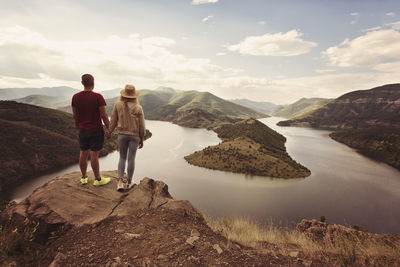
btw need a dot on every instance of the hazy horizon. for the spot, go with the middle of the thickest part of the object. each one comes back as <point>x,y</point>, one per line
<point>273,51</point>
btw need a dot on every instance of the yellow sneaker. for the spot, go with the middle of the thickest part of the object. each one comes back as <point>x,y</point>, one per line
<point>102,181</point>
<point>84,180</point>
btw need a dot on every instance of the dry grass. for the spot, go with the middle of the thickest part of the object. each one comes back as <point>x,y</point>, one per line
<point>344,250</point>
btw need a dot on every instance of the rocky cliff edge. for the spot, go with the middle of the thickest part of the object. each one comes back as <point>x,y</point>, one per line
<point>77,225</point>
<point>66,224</point>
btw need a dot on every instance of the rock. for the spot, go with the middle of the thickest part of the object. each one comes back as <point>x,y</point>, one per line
<point>117,260</point>
<point>131,236</point>
<point>217,248</point>
<point>318,231</point>
<point>194,235</point>
<point>194,232</point>
<point>191,240</point>
<point>57,259</point>
<point>65,202</point>
<point>162,257</point>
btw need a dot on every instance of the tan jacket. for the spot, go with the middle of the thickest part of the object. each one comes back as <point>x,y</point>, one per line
<point>128,118</point>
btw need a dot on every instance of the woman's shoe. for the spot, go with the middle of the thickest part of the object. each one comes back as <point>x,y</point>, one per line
<point>125,182</point>
<point>120,185</point>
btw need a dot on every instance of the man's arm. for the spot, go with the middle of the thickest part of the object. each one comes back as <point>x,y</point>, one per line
<point>104,116</point>
<point>75,115</point>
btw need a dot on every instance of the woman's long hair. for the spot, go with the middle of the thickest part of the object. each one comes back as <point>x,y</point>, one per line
<point>125,100</point>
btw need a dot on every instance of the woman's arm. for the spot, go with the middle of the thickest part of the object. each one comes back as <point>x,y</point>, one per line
<point>114,121</point>
<point>142,128</point>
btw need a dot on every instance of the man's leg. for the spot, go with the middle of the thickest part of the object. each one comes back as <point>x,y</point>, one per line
<point>94,162</point>
<point>83,162</point>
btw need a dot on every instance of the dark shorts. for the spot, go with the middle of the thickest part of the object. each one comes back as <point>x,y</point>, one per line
<point>92,140</point>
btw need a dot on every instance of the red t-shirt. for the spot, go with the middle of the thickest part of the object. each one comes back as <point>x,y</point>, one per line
<point>87,105</point>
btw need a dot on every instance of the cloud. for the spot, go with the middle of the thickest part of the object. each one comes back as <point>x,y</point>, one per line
<point>149,62</point>
<point>391,67</point>
<point>394,25</point>
<point>390,14</point>
<point>199,2</point>
<point>221,54</point>
<point>324,70</point>
<point>278,44</point>
<point>113,60</point>
<point>207,18</point>
<point>367,50</point>
<point>356,17</point>
<point>262,22</point>
<point>372,29</point>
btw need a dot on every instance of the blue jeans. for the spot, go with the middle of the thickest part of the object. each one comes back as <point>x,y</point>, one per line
<point>128,145</point>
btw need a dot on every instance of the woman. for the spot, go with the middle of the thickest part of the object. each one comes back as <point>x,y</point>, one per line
<point>128,117</point>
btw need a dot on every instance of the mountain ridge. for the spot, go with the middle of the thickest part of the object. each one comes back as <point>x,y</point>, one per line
<point>379,106</point>
<point>263,107</point>
<point>301,107</point>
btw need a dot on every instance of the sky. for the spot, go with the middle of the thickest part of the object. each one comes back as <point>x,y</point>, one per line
<point>263,50</point>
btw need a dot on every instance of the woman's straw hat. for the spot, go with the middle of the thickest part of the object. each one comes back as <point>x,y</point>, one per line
<point>129,91</point>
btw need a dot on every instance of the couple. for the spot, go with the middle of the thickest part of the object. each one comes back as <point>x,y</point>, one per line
<point>89,110</point>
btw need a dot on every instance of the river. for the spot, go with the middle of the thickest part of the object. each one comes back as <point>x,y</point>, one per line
<point>344,186</point>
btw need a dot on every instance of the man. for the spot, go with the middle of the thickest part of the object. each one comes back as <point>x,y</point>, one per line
<point>89,109</point>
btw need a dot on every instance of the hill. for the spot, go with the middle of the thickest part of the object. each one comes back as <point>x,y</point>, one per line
<point>263,107</point>
<point>249,147</point>
<point>110,93</point>
<point>377,107</point>
<point>45,101</point>
<point>14,93</point>
<point>382,144</point>
<point>301,107</point>
<point>201,109</point>
<point>189,108</point>
<point>36,140</point>
<point>146,226</point>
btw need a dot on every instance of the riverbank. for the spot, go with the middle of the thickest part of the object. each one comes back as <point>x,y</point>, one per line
<point>249,147</point>
<point>382,144</point>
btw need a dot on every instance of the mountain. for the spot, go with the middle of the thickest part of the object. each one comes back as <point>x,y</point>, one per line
<point>110,93</point>
<point>263,107</point>
<point>36,140</point>
<point>189,108</point>
<point>376,107</point>
<point>201,109</point>
<point>116,92</point>
<point>14,93</point>
<point>45,101</point>
<point>167,90</point>
<point>249,147</point>
<point>301,107</point>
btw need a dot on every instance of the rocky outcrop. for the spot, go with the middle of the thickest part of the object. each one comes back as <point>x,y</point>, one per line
<point>64,201</point>
<point>75,225</point>
<point>334,233</point>
<point>66,224</point>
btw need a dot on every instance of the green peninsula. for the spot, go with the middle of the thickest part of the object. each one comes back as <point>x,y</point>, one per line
<point>249,147</point>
